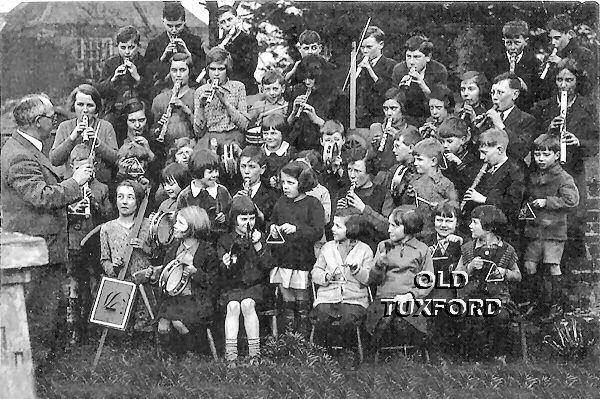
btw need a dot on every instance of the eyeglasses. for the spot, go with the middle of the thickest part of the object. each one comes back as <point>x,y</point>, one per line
<point>52,116</point>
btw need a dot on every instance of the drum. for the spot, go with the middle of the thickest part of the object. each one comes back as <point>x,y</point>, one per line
<point>161,228</point>
<point>172,281</point>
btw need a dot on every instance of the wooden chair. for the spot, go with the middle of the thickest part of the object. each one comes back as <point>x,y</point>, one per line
<point>403,347</point>
<point>359,343</point>
<point>272,314</point>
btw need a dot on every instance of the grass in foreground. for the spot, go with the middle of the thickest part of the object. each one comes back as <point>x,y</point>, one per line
<point>292,368</point>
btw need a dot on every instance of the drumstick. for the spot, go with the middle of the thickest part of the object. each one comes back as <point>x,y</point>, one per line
<point>146,301</point>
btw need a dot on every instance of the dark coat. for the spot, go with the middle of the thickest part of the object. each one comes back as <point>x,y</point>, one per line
<point>113,93</point>
<point>527,69</point>
<point>417,107</point>
<point>34,199</point>
<point>503,189</point>
<point>521,128</point>
<point>370,95</point>
<point>156,70</point>
<point>244,54</point>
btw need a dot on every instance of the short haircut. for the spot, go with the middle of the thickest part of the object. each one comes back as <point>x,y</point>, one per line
<point>480,80</point>
<point>513,80</point>
<point>309,37</point>
<point>182,57</point>
<point>202,159</point>
<point>133,105</point>
<point>197,220</point>
<point>493,137</point>
<point>561,23</point>
<point>430,148</point>
<point>273,76</point>
<point>331,127</point>
<point>453,127</point>
<point>225,9</point>
<point>180,143</point>
<point>356,226</point>
<point>276,122</point>
<point>255,153</point>
<point>80,152</point>
<point>514,29</point>
<point>178,172</point>
<point>303,173</point>
<point>221,56</point>
<point>546,142</point>
<point>86,89</point>
<point>128,33</point>
<point>30,108</point>
<point>173,11</point>
<point>410,135</point>
<point>580,74</point>
<point>408,217</point>
<point>442,93</point>
<point>375,33</point>
<point>138,190</point>
<point>419,43</point>
<point>492,219</point>
<point>447,209</point>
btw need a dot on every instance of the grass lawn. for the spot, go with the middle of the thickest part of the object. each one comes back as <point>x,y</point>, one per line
<point>292,368</point>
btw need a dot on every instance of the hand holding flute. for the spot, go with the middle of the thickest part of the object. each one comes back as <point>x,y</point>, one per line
<point>552,58</point>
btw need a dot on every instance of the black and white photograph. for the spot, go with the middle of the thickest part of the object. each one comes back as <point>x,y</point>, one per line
<point>299,199</point>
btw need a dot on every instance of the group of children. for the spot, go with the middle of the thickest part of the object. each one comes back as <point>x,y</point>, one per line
<point>282,198</point>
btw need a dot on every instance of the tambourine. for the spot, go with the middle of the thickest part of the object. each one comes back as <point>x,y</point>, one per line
<point>172,281</point>
<point>161,227</point>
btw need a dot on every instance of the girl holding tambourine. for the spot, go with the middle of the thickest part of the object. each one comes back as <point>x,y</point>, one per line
<point>191,256</point>
<point>245,259</point>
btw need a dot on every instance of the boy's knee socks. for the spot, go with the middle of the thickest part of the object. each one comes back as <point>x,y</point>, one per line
<point>253,347</point>
<point>231,349</point>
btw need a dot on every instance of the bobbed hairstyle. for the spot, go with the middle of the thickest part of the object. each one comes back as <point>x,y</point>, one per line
<point>201,160</point>
<point>408,217</point>
<point>138,190</point>
<point>241,205</point>
<point>275,122</point>
<point>442,93</point>
<point>480,80</point>
<point>131,106</point>
<point>546,142</point>
<point>303,173</point>
<point>581,75</point>
<point>309,37</point>
<point>397,95</point>
<point>221,56</point>
<point>197,220</point>
<point>88,90</point>
<point>492,219</point>
<point>178,144</point>
<point>446,209</point>
<point>178,172</point>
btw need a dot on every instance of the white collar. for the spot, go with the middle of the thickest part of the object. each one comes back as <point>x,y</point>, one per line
<point>254,188</point>
<point>375,60</point>
<point>517,58</point>
<point>281,151</point>
<point>196,190</point>
<point>36,143</point>
<point>497,166</point>
<point>507,112</point>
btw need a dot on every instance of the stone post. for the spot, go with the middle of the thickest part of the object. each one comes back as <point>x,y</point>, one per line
<point>18,254</point>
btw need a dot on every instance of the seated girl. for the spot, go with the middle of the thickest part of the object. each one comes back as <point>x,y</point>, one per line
<point>341,274</point>
<point>491,264</point>
<point>195,305</point>
<point>245,259</point>
<point>397,262</point>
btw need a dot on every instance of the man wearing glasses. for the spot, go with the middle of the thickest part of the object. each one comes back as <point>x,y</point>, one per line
<point>34,202</point>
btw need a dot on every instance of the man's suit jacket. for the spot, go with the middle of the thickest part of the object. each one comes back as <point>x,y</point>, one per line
<point>417,107</point>
<point>527,69</point>
<point>503,189</point>
<point>244,54</point>
<point>156,70</point>
<point>34,200</point>
<point>371,95</point>
<point>521,128</point>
